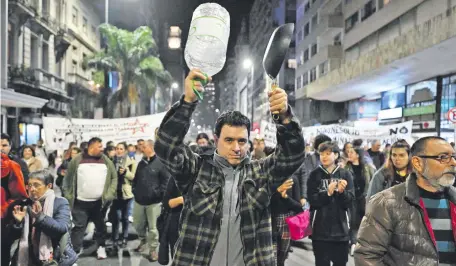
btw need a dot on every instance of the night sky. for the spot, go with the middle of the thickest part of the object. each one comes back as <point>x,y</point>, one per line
<point>124,13</point>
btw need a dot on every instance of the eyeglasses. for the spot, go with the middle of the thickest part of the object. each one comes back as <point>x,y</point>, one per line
<point>34,185</point>
<point>442,158</point>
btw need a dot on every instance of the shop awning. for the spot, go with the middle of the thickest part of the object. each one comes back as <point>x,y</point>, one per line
<point>10,98</point>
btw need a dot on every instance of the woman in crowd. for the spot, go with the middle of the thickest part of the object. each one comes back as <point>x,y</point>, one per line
<point>126,169</point>
<point>395,170</point>
<point>43,226</point>
<point>29,156</point>
<point>362,174</point>
<point>285,202</point>
<point>344,156</point>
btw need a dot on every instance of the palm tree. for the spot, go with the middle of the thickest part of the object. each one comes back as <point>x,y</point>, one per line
<point>134,56</point>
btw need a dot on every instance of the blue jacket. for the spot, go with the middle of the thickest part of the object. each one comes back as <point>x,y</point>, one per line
<point>57,228</point>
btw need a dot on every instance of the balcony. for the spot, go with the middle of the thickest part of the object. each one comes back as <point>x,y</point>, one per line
<point>49,82</point>
<point>425,51</point>
<point>325,53</point>
<point>82,82</point>
<point>61,43</point>
<point>331,24</point>
<point>44,24</point>
<point>21,10</point>
<point>28,80</point>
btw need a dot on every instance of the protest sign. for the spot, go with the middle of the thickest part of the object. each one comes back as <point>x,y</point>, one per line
<point>268,132</point>
<point>342,134</point>
<point>59,131</point>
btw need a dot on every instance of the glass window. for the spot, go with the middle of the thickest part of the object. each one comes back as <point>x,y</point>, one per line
<point>306,7</point>
<point>323,68</point>
<point>84,25</point>
<point>393,98</point>
<point>313,74</point>
<point>314,50</point>
<point>367,10</point>
<point>298,82</point>
<point>351,21</point>
<point>306,30</point>
<point>305,79</point>
<point>94,32</point>
<point>75,16</point>
<point>306,55</point>
<point>314,22</point>
<point>423,91</point>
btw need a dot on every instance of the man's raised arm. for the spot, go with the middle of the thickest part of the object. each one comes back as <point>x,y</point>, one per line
<point>180,161</point>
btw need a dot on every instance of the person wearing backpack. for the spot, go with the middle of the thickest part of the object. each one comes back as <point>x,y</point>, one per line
<point>149,186</point>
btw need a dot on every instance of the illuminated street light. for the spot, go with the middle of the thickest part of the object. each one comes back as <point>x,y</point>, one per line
<point>175,85</point>
<point>247,63</point>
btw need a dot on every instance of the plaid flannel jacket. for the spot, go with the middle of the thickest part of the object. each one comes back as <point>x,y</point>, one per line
<point>202,183</point>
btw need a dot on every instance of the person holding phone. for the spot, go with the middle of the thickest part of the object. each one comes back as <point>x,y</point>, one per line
<point>331,194</point>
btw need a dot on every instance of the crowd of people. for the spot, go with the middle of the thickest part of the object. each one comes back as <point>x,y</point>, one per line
<point>225,201</point>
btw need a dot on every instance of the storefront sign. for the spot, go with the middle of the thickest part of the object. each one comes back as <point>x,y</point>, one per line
<point>343,134</point>
<point>390,113</point>
<point>421,110</point>
<point>59,132</point>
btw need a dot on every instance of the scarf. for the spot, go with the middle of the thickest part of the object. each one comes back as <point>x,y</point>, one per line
<point>44,247</point>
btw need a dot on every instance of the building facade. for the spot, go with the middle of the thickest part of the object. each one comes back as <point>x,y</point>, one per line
<point>385,46</point>
<point>43,42</point>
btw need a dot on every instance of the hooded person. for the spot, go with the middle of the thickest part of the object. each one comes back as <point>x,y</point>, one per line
<point>12,190</point>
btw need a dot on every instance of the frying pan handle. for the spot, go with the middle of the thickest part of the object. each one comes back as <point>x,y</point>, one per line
<point>273,87</point>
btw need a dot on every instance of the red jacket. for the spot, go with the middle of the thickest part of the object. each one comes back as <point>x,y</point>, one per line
<point>16,188</point>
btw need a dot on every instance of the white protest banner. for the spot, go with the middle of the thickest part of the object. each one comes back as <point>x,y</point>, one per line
<point>59,131</point>
<point>342,134</point>
<point>268,132</point>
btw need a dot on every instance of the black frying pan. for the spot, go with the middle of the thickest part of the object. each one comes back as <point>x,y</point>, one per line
<point>276,52</point>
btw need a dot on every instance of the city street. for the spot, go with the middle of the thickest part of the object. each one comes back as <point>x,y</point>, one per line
<point>128,257</point>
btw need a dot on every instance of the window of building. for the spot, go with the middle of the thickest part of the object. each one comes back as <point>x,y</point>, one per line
<point>313,50</point>
<point>382,3</point>
<point>448,100</point>
<point>94,33</point>
<point>337,40</point>
<point>10,45</point>
<point>299,82</point>
<point>349,1</point>
<point>84,58</point>
<point>313,74</point>
<point>314,22</point>
<point>292,63</point>
<point>323,68</point>
<point>45,7</point>
<point>34,45</point>
<point>75,16</point>
<point>306,55</point>
<point>306,30</point>
<point>351,21</point>
<point>367,10</point>
<point>306,6</point>
<point>45,56</point>
<point>84,24</point>
<point>305,79</point>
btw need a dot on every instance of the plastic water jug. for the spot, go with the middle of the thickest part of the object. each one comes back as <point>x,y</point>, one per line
<point>208,38</point>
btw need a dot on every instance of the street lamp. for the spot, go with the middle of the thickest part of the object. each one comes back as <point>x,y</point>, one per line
<point>247,63</point>
<point>174,85</point>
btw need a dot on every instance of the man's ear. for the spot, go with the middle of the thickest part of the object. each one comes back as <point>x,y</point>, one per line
<point>215,139</point>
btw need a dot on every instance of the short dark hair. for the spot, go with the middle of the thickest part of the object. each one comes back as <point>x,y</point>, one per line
<point>76,149</point>
<point>202,136</point>
<point>420,145</point>
<point>7,137</point>
<point>28,147</point>
<point>93,141</point>
<point>139,140</point>
<point>131,145</point>
<point>231,118</point>
<point>83,145</point>
<point>357,143</point>
<point>319,139</point>
<point>44,175</point>
<point>328,145</point>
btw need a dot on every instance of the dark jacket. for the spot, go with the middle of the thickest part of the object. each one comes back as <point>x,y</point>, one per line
<point>151,179</point>
<point>330,214</point>
<point>202,181</point>
<point>292,203</point>
<point>368,172</point>
<point>394,230</point>
<point>57,228</point>
<point>378,162</point>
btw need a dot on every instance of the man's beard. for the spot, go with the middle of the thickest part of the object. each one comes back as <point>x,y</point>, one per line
<point>446,179</point>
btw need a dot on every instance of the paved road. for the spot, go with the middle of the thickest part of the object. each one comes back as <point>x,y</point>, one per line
<point>127,257</point>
